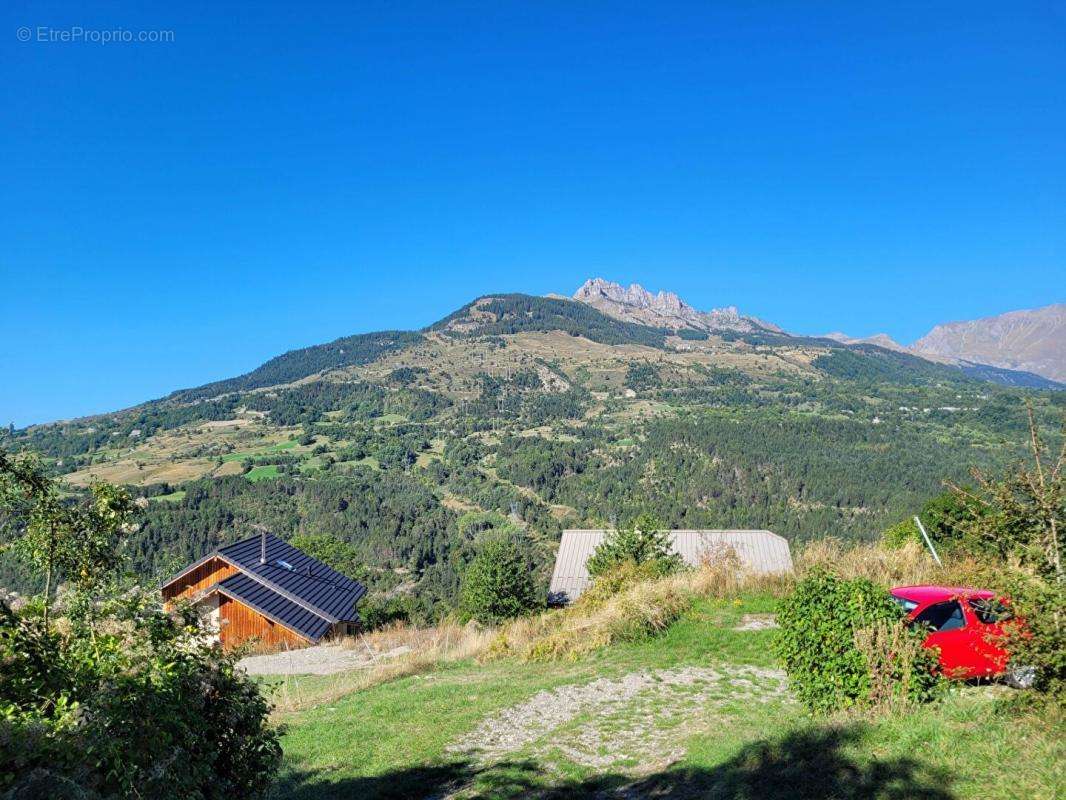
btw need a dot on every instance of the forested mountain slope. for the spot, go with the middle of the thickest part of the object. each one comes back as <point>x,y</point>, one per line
<point>533,414</point>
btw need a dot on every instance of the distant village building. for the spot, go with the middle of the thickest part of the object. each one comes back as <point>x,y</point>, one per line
<point>263,588</point>
<point>758,551</point>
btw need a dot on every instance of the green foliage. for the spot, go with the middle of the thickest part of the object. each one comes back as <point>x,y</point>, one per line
<point>876,365</point>
<point>474,524</point>
<point>498,584</point>
<point>821,623</point>
<point>642,542</point>
<point>333,552</point>
<point>377,612</point>
<point>1019,518</point>
<point>123,700</point>
<point>514,313</point>
<point>133,704</point>
<point>641,376</point>
<point>1036,636</point>
<point>943,517</point>
<point>296,364</point>
<point>692,335</point>
<point>76,542</point>
<point>900,534</point>
<point>620,576</point>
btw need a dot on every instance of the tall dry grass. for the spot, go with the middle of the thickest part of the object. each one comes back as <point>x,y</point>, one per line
<point>908,565</point>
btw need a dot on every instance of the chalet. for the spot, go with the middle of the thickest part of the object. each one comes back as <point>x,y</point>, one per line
<point>758,551</point>
<point>265,589</point>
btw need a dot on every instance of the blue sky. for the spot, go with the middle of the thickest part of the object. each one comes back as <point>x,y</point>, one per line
<point>283,174</point>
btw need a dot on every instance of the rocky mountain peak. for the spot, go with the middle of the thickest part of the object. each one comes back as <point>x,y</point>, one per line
<point>664,309</point>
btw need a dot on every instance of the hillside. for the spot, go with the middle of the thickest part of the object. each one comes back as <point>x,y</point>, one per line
<point>538,414</point>
<point>1030,341</point>
<point>1019,348</point>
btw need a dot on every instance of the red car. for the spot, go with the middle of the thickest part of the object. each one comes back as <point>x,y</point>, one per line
<point>967,626</point>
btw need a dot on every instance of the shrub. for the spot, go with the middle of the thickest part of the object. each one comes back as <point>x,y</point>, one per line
<point>1040,642</point>
<point>138,705</point>
<point>1018,519</point>
<point>643,542</point>
<point>636,612</point>
<point>115,699</point>
<point>618,578</point>
<point>901,534</point>
<point>844,646</point>
<point>498,585</point>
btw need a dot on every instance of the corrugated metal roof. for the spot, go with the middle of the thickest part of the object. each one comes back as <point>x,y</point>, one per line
<point>759,551</point>
<point>274,606</point>
<point>292,573</point>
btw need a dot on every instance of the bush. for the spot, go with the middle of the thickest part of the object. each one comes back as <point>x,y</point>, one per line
<point>137,706</point>
<point>498,585</point>
<point>618,578</point>
<point>1018,520</point>
<point>844,645</point>
<point>1040,641</point>
<point>901,534</point>
<point>378,613</point>
<point>643,542</point>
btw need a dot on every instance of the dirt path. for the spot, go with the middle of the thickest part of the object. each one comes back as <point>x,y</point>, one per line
<point>323,659</point>
<point>642,718</point>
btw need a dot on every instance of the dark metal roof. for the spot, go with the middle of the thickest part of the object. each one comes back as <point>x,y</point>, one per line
<point>297,577</point>
<point>272,605</point>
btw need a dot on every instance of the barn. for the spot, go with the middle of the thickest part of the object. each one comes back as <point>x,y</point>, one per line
<point>758,551</point>
<point>264,589</point>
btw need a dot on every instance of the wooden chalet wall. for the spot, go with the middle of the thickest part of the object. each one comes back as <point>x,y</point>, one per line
<point>238,623</point>
<point>200,578</point>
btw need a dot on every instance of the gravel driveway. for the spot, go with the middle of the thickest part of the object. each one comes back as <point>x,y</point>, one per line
<point>323,659</point>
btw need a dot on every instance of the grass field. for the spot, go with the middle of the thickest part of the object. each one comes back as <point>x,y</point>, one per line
<point>173,497</point>
<point>280,447</point>
<point>262,472</point>
<point>699,712</point>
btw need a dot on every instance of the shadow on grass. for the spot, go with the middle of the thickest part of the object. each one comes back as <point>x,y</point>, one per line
<point>805,765</point>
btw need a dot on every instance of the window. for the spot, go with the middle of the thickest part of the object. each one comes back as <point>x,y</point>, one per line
<point>990,610</point>
<point>942,617</point>
<point>907,605</point>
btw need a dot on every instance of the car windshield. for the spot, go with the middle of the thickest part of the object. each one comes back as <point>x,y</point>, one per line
<point>990,610</point>
<point>942,617</point>
<point>907,605</point>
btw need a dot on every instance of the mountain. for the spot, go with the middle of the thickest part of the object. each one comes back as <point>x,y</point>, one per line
<point>1029,341</point>
<point>879,339</point>
<point>526,415</point>
<point>665,309</point>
